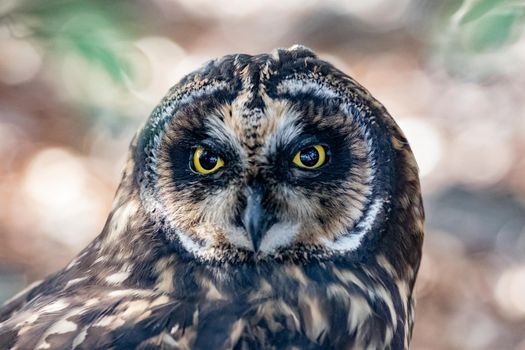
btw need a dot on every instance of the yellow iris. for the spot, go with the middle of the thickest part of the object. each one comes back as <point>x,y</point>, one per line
<point>206,162</point>
<point>311,157</point>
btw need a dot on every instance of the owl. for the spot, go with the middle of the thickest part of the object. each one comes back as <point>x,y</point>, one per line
<point>269,202</point>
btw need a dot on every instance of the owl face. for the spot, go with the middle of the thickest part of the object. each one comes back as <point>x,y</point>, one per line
<point>266,155</point>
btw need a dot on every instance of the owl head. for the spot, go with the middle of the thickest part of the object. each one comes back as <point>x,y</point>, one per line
<point>275,156</point>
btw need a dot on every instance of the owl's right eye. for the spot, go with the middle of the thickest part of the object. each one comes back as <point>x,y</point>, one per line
<point>205,161</point>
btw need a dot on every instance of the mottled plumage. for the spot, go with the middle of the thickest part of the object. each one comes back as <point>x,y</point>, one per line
<point>261,253</point>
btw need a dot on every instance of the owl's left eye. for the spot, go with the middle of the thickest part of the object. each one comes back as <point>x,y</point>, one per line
<point>206,161</point>
<point>311,157</point>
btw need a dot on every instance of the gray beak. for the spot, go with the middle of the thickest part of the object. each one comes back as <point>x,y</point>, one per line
<point>256,219</point>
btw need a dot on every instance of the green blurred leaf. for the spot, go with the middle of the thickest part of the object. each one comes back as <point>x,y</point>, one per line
<point>95,30</point>
<point>480,8</point>
<point>496,30</point>
<point>94,38</point>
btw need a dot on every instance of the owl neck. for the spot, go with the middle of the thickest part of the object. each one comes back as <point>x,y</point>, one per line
<point>129,254</point>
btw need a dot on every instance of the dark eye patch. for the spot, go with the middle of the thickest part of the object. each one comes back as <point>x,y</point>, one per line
<point>318,125</point>
<point>181,157</point>
<point>337,166</point>
<point>189,131</point>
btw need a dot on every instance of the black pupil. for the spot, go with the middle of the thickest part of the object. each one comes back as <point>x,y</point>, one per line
<point>309,156</point>
<point>208,160</point>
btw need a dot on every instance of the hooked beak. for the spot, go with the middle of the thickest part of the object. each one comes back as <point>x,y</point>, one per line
<point>256,219</point>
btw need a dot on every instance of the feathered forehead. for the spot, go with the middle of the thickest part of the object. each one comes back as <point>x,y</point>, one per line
<point>294,74</point>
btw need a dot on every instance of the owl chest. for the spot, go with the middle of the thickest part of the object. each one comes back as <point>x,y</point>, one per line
<point>296,310</point>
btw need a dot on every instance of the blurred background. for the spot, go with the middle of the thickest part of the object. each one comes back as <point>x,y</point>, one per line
<point>77,78</point>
